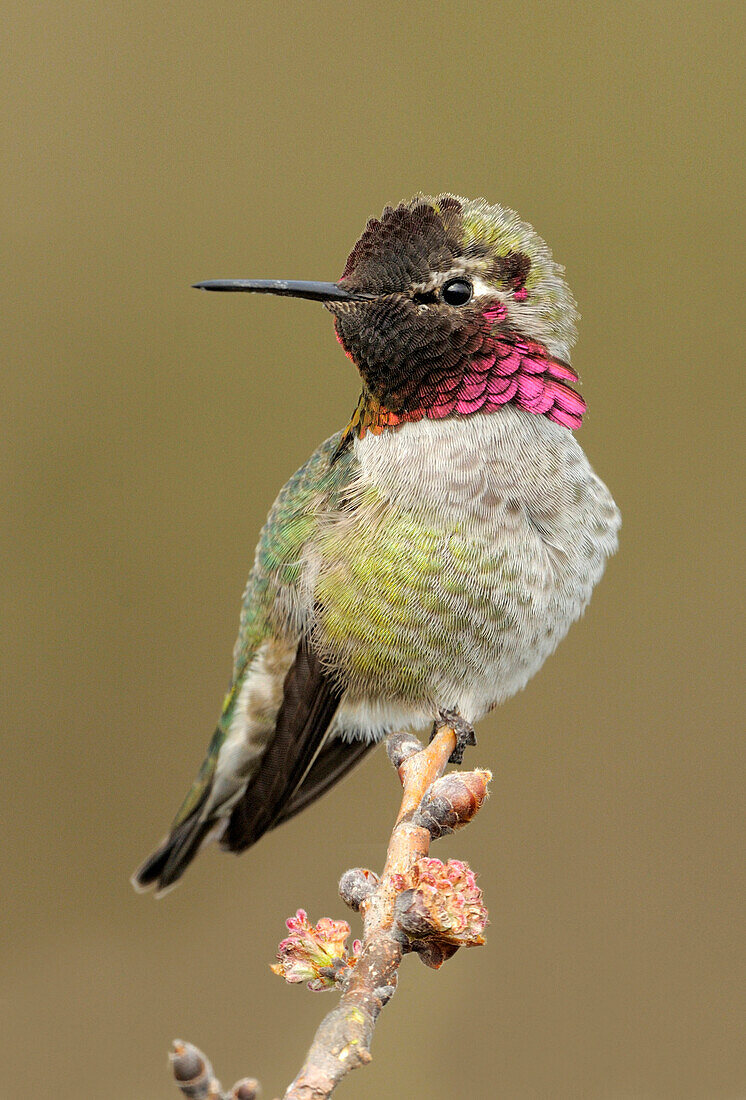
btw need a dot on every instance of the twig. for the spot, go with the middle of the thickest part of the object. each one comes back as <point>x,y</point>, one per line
<point>342,1042</point>
<point>416,905</point>
<point>193,1074</point>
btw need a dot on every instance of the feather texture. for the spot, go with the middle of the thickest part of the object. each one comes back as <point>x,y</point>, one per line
<point>309,701</point>
<point>434,554</point>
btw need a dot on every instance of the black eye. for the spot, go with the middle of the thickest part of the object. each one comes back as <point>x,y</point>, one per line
<point>456,292</point>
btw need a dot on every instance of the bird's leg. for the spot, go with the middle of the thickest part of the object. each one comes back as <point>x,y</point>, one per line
<point>465,735</point>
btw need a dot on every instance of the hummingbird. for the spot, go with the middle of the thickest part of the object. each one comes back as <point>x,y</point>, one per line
<point>427,559</point>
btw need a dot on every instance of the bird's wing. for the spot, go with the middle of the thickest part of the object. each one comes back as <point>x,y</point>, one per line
<point>263,757</point>
<point>309,702</point>
<point>335,759</point>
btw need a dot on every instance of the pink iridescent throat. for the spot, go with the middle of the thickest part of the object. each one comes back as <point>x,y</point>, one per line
<point>508,370</point>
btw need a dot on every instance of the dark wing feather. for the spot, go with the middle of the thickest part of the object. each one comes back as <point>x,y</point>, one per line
<point>334,761</point>
<point>309,703</point>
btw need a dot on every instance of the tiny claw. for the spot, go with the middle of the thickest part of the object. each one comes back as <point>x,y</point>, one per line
<point>465,735</point>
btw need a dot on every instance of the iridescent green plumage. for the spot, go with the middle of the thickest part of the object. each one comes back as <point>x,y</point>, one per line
<point>291,524</point>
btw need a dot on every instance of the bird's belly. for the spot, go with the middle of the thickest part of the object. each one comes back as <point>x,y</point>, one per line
<point>420,620</point>
<point>435,590</point>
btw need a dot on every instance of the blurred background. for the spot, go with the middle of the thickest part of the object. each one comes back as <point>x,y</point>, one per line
<point>147,429</point>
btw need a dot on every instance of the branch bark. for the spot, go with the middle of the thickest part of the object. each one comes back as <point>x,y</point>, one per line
<point>342,1042</point>
<point>396,918</point>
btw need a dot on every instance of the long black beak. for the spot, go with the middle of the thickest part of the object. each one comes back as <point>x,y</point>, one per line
<point>291,288</point>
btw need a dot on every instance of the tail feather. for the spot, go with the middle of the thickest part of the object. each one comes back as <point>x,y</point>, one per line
<point>299,764</point>
<point>148,872</point>
<point>170,860</point>
<point>189,829</point>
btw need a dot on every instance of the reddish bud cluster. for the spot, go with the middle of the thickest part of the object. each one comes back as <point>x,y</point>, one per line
<point>441,901</point>
<point>316,954</point>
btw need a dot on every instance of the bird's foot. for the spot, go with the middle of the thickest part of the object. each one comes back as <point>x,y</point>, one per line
<point>465,735</point>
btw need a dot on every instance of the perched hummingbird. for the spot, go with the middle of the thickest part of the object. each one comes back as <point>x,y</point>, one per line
<point>428,558</point>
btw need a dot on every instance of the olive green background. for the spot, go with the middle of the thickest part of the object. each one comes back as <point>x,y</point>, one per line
<point>147,428</point>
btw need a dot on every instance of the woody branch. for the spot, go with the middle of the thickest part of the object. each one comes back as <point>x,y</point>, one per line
<point>417,905</point>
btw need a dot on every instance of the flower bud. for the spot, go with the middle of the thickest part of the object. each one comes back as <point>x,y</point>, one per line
<point>444,904</point>
<point>356,885</point>
<point>316,954</point>
<point>400,746</point>
<point>193,1072</point>
<point>245,1089</point>
<point>452,801</point>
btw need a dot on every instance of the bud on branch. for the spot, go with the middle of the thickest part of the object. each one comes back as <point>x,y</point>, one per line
<point>316,954</point>
<point>419,904</point>
<point>356,885</point>
<point>452,801</point>
<point>442,903</point>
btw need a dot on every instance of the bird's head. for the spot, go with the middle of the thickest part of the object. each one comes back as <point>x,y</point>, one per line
<point>449,306</point>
